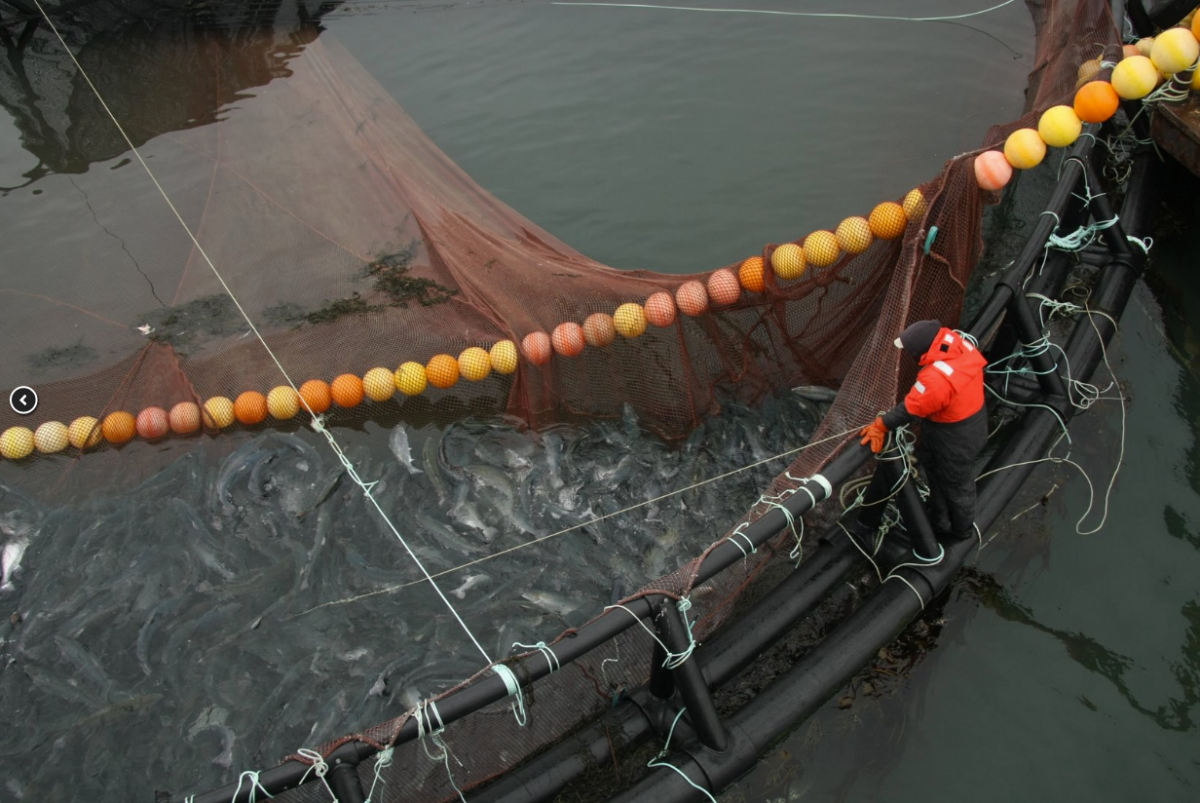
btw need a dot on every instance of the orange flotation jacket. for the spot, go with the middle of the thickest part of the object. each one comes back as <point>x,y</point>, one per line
<point>949,386</point>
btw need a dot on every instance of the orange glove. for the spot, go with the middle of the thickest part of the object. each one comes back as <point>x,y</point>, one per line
<point>874,435</point>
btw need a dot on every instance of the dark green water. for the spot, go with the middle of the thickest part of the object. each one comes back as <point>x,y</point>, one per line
<point>678,142</point>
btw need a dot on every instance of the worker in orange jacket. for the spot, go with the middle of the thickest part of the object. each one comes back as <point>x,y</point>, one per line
<point>948,398</point>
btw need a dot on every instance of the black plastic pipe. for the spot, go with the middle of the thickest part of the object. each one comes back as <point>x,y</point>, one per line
<point>689,680</point>
<point>720,659</point>
<point>1010,283</point>
<point>916,522</point>
<point>343,779</point>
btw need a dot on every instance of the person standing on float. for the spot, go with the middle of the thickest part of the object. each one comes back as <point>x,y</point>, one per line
<point>948,398</point>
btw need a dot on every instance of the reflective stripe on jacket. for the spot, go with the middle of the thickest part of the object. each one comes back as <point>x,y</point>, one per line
<point>949,386</point>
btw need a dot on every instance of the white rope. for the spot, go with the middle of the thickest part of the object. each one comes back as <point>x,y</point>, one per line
<point>424,722</point>
<point>317,767</point>
<point>830,15</point>
<point>513,687</point>
<point>317,422</point>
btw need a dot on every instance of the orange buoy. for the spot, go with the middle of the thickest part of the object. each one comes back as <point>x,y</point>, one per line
<point>379,384</point>
<point>692,298</point>
<point>1096,101</point>
<point>750,274</point>
<point>1130,50</point>
<point>821,248</point>
<point>660,309</point>
<point>441,371</point>
<point>503,356</point>
<point>250,408</point>
<point>283,402</point>
<point>118,427</point>
<point>723,287</point>
<point>887,220</point>
<point>184,418</point>
<point>410,378</point>
<point>630,320</point>
<point>84,432</point>
<point>536,347</point>
<point>992,170</point>
<point>347,390</point>
<point>474,364</point>
<point>599,330</point>
<point>853,235</point>
<point>788,261</point>
<point>567,339</point>
<point>218,412</point>
<point>152,423</point>
<point>317,395</point>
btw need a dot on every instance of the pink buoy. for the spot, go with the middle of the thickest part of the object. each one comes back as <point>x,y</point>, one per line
<point>536,347</point>
<point>660,309</point>
<point>152,423</point>
<point>992,170</point>
<point>692,298</point>
<point>568,339</point>
<point>723,287</point>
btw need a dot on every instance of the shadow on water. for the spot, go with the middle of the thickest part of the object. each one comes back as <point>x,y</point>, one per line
<point>144,57</point>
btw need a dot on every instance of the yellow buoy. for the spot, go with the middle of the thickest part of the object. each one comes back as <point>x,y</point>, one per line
<point>887,220</point>
<point>854,235</point>
<point>1060,126</point>
<point>914,205</point>
<point>84,432</point>
<point>218,412</point>
<point>821,248</point>
<point>410,378</point>
<point>1135,77</point>
<point>283,402</point>
<point>1145,46</point>
<point>379,384</point>
<point>1087,71</point>
<point>474,364</point>
<point>788,261</point>
<point>630,320</point>
<point>16,443</point>
<point>1174,50</point>
<point>1024,149</point>
<point>504,357</point>
<point>51,437</point>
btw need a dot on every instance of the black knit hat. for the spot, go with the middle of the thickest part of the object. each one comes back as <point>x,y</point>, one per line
<point>918,337</point>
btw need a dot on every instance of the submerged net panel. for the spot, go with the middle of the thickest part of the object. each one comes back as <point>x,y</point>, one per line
<point>352,242</point>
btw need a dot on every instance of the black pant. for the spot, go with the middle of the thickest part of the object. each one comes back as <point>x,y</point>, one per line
<point>946,455</point>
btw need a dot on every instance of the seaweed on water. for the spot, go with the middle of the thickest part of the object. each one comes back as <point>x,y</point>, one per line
<point>64,357</point>
<point>294,314</point>
<point>390,273</point>
<point>184,325</point>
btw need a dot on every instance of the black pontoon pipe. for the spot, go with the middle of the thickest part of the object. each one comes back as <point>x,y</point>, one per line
<point>1010,283</point>
<point>533,667</point>
<point>729,652</point>
<point>689,680</point>
<point>787,702</point>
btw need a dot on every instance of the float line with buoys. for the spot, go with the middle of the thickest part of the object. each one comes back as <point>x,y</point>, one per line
<point>1143,67</point>
<point>692,298</point>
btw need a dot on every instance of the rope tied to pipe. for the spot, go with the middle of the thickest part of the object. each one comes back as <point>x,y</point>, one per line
<point>383,760</point>
<point>425,720</point>
<point>317,766</point>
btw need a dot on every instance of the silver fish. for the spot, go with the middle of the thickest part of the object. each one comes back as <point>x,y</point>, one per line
<point>816,393</point>
<point>10,561</point>
<point>471,581</point>
<point>398,443</point>
<point>467,515</point>
<point>551,602</point>
<point>147,631</point>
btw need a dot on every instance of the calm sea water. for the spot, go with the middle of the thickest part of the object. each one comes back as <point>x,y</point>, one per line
<point>679,141</point>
